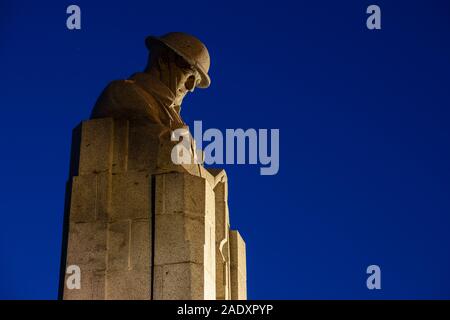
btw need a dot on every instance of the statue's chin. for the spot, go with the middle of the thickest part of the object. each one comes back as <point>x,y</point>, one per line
<point>178,101</point>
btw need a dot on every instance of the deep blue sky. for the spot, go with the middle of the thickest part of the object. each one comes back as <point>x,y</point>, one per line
<point>363,116</point>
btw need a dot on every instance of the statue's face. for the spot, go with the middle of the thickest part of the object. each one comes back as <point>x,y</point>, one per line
<point>186,79</point>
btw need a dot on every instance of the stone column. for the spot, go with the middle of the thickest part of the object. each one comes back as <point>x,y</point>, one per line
<point>223,286</point>
<point>238,266</point>
<point>109,218</point>
<point>140,227</point>
<point>184,259</point>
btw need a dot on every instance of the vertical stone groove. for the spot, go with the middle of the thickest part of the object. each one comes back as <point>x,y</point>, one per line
<point>153,220</point>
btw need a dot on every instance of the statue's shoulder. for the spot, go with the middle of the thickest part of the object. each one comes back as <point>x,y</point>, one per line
<point>119,86</point>
<point>127,89</point>
<point>124,99</point>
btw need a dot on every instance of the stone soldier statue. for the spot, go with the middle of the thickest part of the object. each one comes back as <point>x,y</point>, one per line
<point>138,224</point>
<point>178,62</point>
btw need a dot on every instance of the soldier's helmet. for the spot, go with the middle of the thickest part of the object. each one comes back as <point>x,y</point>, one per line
<point>189,48</point>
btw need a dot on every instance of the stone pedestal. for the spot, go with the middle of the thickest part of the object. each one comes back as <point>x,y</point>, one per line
<point>140,227</point>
